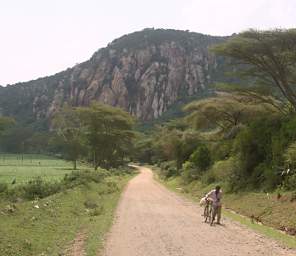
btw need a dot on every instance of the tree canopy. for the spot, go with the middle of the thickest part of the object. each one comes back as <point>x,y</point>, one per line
<point>225,111</point>
<point>108,132</point>
<point>267,55</point>
<point>69,130</point>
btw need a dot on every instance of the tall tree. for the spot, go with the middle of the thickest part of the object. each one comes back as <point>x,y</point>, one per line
<point>267,55</point>
<point>108,132</point>
<point>70,132</point>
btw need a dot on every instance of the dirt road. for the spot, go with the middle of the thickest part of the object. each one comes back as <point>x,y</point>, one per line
<point>152,221</point>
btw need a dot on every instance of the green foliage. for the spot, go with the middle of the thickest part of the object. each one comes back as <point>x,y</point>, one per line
<point>221,150</point>
<point>254,147</point>
<point>201,158</point>
<point>49,228</point>
<point>290,156</point>
<point>221,172</point>
<point>189,172</point>
<point>168,169</point>
<point>108,132</point>
<point>143,149</point>
<point>226,111</point>
<point>3,187</point>
<point>69,130</point>
<point>290,182</point>
<point>267,55</point>
<point>151,36</point>
<point>76,178</point>
<point>172,144</point>
<point>37,188</point>
<point>21,168</point>
<point>40,188</point>
<point>5,123</point>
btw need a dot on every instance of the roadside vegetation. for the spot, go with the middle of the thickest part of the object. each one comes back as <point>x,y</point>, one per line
<point>44,217</point>
<point>243,137</point>
<point>61,186</point>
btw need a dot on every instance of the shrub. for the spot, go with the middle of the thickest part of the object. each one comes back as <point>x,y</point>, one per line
<point>189,172</point>
<point>221,171</point>
<point>97,211</point>
<point>221,150</point>
<point>3,187</point>
<point>201,158</point>
<point>168,169</point>
<point>90,204</point>
<point>290,182</point>
<point>76,178</point>
<point>38,188</point>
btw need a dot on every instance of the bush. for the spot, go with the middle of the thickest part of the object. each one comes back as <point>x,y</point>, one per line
<point>168,169</point>
<point>189,172</point>
<point>38,188</point>
<point>254,147</point>
<point>221,171</point>
<point>76,178</point>
<point>90,204</point>
<point>3,187</point>
<point>201,158</point>
<point>290,182</point>
<point>221,150</point>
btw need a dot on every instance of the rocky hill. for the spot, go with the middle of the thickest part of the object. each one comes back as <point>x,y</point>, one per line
<point>144,73</point>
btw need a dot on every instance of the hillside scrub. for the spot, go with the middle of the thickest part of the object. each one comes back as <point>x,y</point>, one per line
<point>259,155</point>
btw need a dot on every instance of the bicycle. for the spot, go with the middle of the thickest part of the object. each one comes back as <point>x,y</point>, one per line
<point>208,211</point>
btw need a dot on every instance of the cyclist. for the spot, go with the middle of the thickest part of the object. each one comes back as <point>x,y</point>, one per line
<point>215,195</point>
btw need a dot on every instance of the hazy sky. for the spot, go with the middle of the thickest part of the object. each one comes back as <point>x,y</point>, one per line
<point>42,37</point>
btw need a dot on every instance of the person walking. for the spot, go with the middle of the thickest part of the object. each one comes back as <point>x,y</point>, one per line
<point>215,196</point>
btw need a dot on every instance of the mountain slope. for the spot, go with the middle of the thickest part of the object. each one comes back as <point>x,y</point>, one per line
<point>144,73</point>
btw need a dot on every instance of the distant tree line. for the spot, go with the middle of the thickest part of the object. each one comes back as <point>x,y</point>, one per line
<point>100,134</point>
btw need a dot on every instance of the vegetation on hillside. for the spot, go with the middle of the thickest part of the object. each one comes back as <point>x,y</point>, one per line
<point>243,137</point>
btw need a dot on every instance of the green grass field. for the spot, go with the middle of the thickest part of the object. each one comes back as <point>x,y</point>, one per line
<point>49,225</point>
<point>29,166</point>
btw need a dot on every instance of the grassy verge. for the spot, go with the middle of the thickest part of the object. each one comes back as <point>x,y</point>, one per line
<point>239,207</point>
<point>47,226</point>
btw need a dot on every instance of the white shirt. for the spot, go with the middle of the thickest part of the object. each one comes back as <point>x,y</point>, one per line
<point>216,197</point>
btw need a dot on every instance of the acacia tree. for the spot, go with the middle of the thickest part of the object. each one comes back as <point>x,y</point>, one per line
<point>267,55</point>
<point>70,132</point>
<point>108,132</point>
<point>226,111</point>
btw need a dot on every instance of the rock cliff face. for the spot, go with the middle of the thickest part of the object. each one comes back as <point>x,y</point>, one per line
<point>143,73</point>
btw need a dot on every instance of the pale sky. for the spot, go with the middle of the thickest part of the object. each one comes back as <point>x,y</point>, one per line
<point>42,37</point>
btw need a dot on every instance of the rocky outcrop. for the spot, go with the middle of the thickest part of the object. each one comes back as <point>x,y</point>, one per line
<point>144,73</point>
